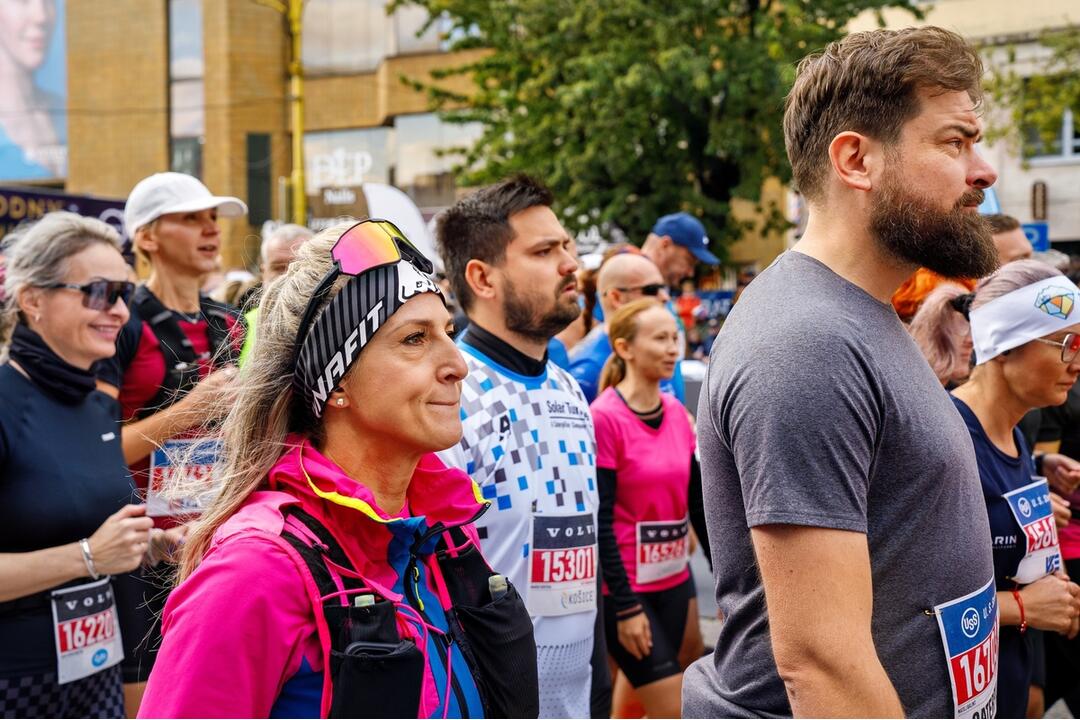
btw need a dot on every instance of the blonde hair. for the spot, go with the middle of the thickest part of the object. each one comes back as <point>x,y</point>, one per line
<point>262,414</point>
<point>623,325</point>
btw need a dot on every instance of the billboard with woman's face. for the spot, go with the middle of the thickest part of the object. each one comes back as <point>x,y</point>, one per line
<point>33,90</point>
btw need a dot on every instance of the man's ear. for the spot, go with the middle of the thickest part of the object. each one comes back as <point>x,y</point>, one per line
<point>479,276</point>
<point>853,157</point>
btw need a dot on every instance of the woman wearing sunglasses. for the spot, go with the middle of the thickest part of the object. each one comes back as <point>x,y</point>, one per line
<point>338,573</point>
<point>1025,327</point>
<point>65,525</point>
<point>644,533</point>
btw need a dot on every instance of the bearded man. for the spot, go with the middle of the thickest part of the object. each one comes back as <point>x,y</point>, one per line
<point>849,536</point>
<point>528,437</point>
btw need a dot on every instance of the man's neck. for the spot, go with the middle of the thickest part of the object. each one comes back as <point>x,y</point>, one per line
<point>534,348</point>
<point>850,251</point>
<point>175,291</point>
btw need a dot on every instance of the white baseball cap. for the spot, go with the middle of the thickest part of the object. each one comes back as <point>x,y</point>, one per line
<point>172,192</point>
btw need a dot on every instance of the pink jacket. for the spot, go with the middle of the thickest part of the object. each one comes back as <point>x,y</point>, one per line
<point>239,635</point>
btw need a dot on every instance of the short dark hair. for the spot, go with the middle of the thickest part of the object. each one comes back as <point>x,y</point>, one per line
<point>868,82</point>
<point>477,227</point>
<point>1002,223</point>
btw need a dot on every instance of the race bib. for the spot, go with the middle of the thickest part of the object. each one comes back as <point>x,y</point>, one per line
<point>165,476</point>
<point>1031,507</point>
<point>663,549</point>
<point>562,567</point>
<point>969,631</point>
<point>87,636</point>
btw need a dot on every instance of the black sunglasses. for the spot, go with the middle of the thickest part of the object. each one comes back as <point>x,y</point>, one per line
<point>652,289</point>
<point>99,294</point>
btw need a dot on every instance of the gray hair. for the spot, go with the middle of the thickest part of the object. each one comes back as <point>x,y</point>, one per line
<point>39,256</point>
<point>1009,277</point>
<point>286,235</point>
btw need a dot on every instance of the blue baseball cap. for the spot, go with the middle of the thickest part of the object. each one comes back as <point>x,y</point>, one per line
<point>686,230</point>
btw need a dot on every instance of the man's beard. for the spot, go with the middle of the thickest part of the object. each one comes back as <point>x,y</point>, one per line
<point>956,243</point>
<point>527,318</point>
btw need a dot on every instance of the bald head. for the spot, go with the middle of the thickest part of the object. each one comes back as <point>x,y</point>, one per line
<point>622,279</point>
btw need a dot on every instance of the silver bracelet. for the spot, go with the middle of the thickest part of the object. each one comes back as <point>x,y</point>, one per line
<point>88,558</point>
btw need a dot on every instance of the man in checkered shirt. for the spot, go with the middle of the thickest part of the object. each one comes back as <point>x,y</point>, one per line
<point>528,435</point>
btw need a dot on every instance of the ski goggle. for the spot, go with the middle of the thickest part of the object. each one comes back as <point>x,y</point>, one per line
<point>367,245</point>
<point>99,294</point>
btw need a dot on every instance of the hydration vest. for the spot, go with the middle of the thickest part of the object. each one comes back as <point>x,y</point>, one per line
<point>181,362</point>
<point>375,652</point>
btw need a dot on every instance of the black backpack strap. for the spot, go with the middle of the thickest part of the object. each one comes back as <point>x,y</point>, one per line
<point>181,362</point>
<point>219,331</point>
<point>316,556</point>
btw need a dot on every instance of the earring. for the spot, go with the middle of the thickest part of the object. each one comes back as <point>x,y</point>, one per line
<point>340,402</point>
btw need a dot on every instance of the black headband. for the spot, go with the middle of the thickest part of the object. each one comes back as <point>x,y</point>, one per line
<point>327,346</point>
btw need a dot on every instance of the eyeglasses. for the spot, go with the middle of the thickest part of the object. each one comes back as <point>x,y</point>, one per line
<point>1070,346</point>
<point>99,294</point>
<point>652,289</point>
<point>367,245</point>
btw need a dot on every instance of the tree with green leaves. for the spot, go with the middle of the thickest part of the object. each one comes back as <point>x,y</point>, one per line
<point>631,109</point>
<point>1036,93</point>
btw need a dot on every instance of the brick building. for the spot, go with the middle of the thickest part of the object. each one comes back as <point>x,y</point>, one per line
<point>201,86</point>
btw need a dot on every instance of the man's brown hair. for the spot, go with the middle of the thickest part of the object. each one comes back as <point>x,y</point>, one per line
<point>478,227</point>
<point>868,83</point>
<point>1002,223</point>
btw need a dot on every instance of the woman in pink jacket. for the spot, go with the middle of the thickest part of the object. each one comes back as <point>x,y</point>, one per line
<point>338,573</point>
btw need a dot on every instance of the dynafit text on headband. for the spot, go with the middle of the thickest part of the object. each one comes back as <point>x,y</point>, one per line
<point>386,270</point>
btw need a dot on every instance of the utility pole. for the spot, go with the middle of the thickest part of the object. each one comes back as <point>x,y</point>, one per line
<point>293,12</point>
<point>296,101</point>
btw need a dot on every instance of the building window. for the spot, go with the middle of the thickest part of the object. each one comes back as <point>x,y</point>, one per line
<point>422,166</point>
<point>408,20</point>
<point>409,156</point>
<point>345,35</point>
<point>187,112</point>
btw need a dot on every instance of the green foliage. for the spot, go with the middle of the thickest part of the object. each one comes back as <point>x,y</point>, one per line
<point>630,109</point>
<point>1036,96</point>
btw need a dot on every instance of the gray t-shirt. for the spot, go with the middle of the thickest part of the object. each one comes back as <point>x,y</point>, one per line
<point>819,410</point>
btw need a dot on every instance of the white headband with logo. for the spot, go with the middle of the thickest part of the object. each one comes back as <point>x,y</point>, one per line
<point>1031,312</point>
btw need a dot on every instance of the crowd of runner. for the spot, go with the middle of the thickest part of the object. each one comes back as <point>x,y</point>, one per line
<point>375,489</point>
